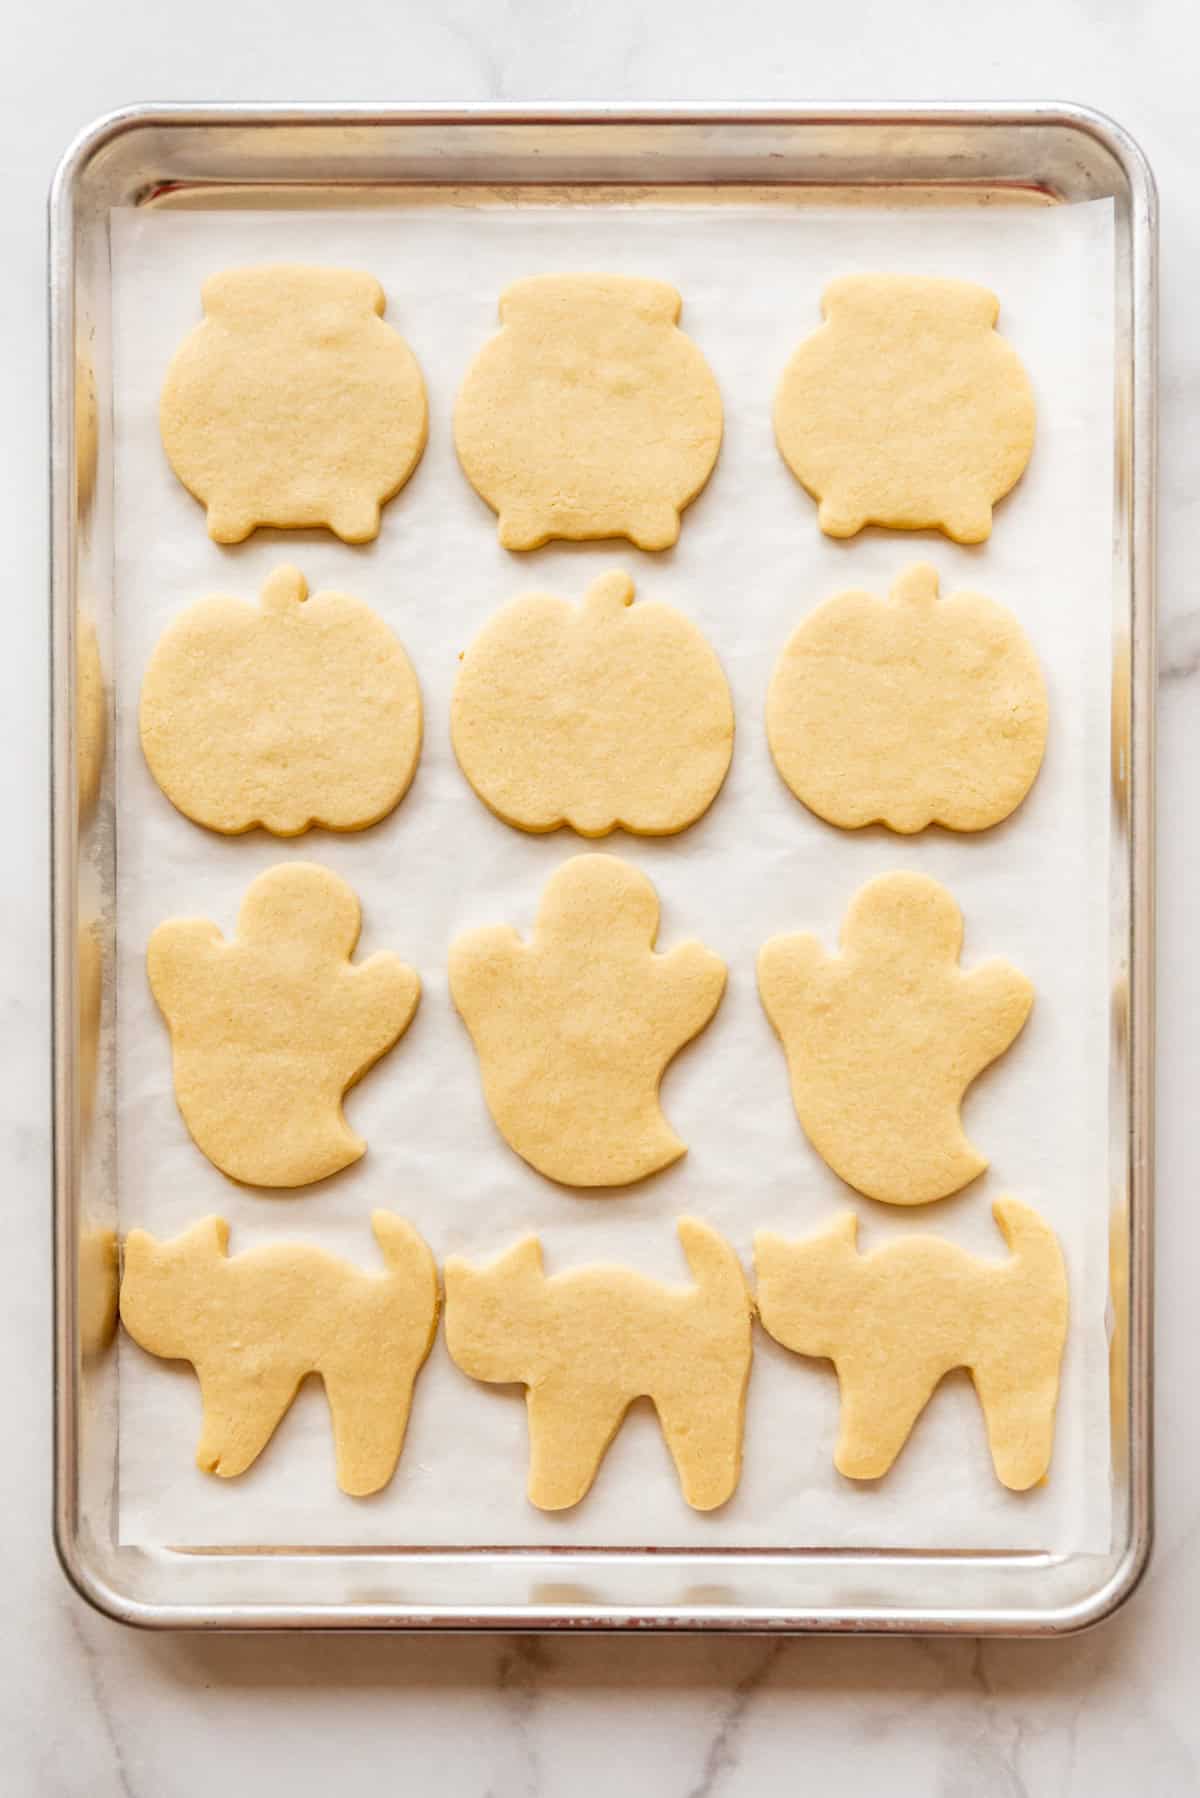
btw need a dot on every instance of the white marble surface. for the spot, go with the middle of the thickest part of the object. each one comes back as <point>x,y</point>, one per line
<point>88,1709</point>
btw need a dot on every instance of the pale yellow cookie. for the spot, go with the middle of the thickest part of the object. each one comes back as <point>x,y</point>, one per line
<point>883,1040</point>
<point>574,1029</point>
<point>908,711</point>
<point>598,716</point>
<point>586,1343</point>
<point>590,415</point>
<point>254,1325</point>
<point>90,708</point>
<point>293,404</point>
<point>291,713</point>
<point>269,1031</point>
<point>96,1293</point>
<point>896,1321</point>
<point>906,408</point>
<point>89,999</point>
<point>87,429</point>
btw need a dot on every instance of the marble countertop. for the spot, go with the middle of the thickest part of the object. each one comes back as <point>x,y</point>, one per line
<point>89,1709</point>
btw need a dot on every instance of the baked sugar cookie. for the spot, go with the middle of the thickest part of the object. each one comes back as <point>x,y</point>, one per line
<point>293,404</point>
<point>575,1028</point>
<point>896,1321</point>
<point>254,1325</point>
<point>908,711</point>
<point>270,1030</point>
<point>883,1039</point>
<point>906,408</point>
<point>294,712</point>
<point>600,716</point>
<point>590,415</point>
<point>586,1343</point>
<point>91,727</point>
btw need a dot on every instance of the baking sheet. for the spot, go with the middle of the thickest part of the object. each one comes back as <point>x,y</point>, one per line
<point>749,564</point>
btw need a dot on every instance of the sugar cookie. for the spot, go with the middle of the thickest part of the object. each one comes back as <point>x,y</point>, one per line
<point>269,1031</point>
<point>586,1343</point>
<point>598,716</point>
<point>96,1290</point>
<point>291,713</point>
<point>293,404</point>
<point>908,711</point>
<point>254,1325</point>
<point>575,1029</point>
<point>883,1040</point>
<point>906,408</point>
<point>895,1321</point>
<point>590,415</point>
<point>90,721</point>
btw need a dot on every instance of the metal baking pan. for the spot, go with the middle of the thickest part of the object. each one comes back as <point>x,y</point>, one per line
<point>279,156</point>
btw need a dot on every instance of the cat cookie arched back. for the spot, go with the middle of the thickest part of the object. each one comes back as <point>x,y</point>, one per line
<point>575,1028</point>
<point>909,711</point>
<point>895,1321</point>
<point>906,408</point>
<point>590,415</point>
<point>294,712</point>
<point>587,1342</point>
<point>293,404</point>
<point>883,1039</point>
<point>254,1325</point>
<point>595,716</point>
<point>269,1031</point>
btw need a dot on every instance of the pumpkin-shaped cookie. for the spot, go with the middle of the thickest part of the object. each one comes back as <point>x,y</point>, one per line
<point>291,713</point>
<point>908,711</point>
<point>906,408</point>
<point>293,404</point>
<point>590,415</point>
<point>595,716</point>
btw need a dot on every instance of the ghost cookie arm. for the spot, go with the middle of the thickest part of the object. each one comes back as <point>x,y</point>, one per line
<point>178,952</point>
<point>376,1003</point>
<point>694,978</point>
<point>480,962</point>
<point>993,1004</point>
<point>786,965</point>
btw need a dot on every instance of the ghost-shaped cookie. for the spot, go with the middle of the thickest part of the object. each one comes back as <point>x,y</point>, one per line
<point>883,1039</point>
<point>290,713</point>
<point>604,715</point>
<point>575,1028</point>
<point>591,414</point>
<point>269,1031</point>
<point>907,408</point>
<point>293,404</point>
<point>908,711</point>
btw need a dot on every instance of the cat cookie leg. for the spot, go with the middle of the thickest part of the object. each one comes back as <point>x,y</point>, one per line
<point>241,1414</point>
<point>569,1432</point>
<point>703,1430</point>
<point>879,1409</point>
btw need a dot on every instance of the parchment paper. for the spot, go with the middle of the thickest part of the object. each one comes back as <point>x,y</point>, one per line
<point>749,564</point>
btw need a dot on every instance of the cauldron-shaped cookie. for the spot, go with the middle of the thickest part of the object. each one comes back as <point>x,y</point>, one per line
<point>907,408</point>
<point>293,404</point>
<point>590,415</point>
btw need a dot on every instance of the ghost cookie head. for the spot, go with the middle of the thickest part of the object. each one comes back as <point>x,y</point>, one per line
<point>904,921</point>
<point>600,893</point>
<point>304,905</point>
